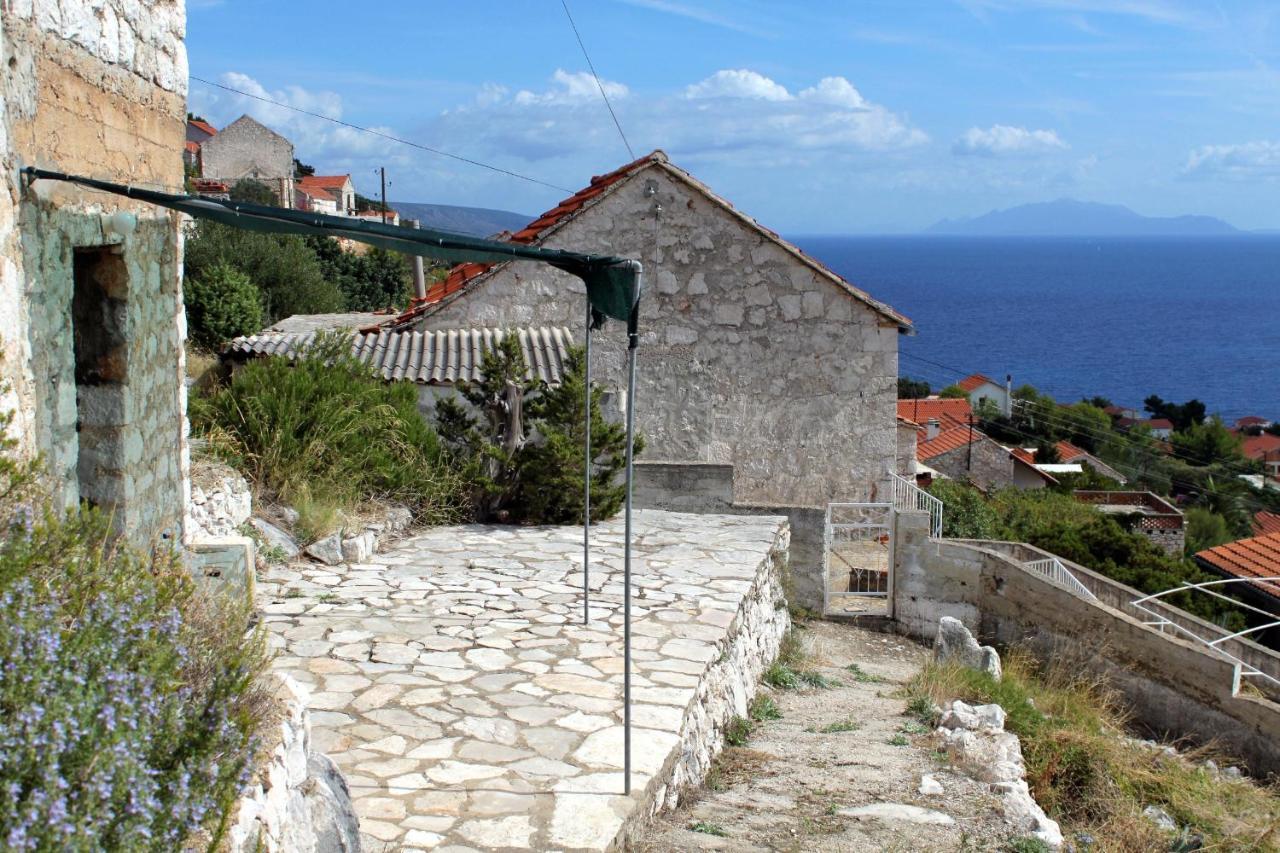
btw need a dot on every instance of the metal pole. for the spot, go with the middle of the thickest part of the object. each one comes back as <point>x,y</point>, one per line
<point>586,477</point>
<point>383,171</point>
<point>419,275</point>
<point>633,342</point>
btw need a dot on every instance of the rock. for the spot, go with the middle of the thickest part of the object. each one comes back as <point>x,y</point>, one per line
<point>356,549</point>
<point>1022,811</point>
<point>929,786</point>
<point>289,515</point>
<point>960,715</point>
<point>955,643</point>
<point>333,817</point>
<point>898,812</point>
<point>274,537</point>
<point>1160,818</point>
<point>327,550</point>
<point>1232,772</point>
<point>399,518</point>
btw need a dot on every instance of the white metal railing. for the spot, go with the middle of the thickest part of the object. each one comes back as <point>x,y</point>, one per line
<point>1052,570</point>
<point>908,497</point>
<point>1242,669</point>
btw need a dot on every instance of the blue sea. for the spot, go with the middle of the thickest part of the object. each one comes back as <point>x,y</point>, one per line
<point>1077,317</point>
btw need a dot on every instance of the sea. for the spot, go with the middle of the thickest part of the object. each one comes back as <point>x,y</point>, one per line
<point>1121,318</point>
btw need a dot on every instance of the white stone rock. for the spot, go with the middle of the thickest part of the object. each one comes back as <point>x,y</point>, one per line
<point>898,812</point>
<point>327,550</point>
<point>929,786</point>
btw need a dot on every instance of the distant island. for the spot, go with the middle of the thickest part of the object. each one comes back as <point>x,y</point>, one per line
<point>1070,218</point>
<point>473,221</point>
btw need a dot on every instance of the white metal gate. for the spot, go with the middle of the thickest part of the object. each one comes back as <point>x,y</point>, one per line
<point>858,559</point>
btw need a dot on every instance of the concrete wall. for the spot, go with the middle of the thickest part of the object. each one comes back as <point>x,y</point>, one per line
<point>708,487</point>
<point>96,88</point>
<point>1174,687</point>
<point>749,357</point>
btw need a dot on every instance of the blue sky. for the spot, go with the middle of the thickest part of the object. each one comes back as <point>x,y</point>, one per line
<point>816,117</point>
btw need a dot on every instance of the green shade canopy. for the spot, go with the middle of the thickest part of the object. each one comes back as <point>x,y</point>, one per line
<point>613,283</point>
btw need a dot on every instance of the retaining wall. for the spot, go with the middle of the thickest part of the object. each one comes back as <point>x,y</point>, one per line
<point>1175,687</point>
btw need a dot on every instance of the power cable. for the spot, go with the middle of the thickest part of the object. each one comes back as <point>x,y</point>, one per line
<point>586,56</point>
<point>388,136</point>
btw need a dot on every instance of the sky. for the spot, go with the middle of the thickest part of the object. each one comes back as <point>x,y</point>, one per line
<point>816,117</point>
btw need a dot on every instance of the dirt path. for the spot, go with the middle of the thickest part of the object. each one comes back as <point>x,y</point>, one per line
<point>791,786</point>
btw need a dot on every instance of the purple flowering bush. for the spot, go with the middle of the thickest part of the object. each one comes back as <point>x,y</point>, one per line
<point>129,701</point>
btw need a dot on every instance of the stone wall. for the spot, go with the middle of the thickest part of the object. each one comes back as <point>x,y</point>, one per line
<point>298,802</point>
<point>248,149</point>
<point>749,356</point>
<point>991,466</point>
<point>96,88</point>
<point>905,461</point>
<point>1174,687</point>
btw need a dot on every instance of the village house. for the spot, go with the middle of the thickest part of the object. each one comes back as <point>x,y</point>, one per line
<point>1160,428</point>
<point>753,355</point>
<point>248,149</point>
<point>337,188</point>
<point>91,311</point>
<point>981,388</point>
<point>1264,448</point>
<point>1245,559</point>
<point>1069,454</point>
<point>1141,512</point>
<point>315,200</point>
<point>199,131</point>
<point>967,454</point>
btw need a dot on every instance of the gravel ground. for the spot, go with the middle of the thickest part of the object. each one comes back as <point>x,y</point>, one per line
<point>790,787</point>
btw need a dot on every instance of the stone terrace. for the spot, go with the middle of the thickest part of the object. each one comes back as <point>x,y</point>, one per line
<point>455,685</point>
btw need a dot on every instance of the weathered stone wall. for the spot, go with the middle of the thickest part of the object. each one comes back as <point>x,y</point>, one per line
<point>749,357</point>
<point>991,466</point>
<point>1174,687</point>
<point>907,437</point>
<point>247,149</point>
<point>99,89</point>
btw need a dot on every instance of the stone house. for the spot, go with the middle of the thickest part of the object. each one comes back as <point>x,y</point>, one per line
<point>339,188</point>
<point>91,314</point>
<point>753,355</point>
<point>969,455</point>
<point>246,148</point>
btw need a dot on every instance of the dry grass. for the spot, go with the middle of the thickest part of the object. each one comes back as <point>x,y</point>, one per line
<point>1090,778</point>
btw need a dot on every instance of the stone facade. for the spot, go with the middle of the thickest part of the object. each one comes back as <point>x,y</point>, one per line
<point>751,355</point>
<point>248,149</point>
<point>90,284</point>
<point>991,466</point>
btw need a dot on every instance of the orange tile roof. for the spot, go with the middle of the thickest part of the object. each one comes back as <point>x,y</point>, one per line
<point>948,440</point>
<point>1068,452</point>
<point>324,182</point>
<point>977,380</point>
<point>1266,522</point>
<point>1258,557</point>
<point>203,125</point>
<point>317,192</point>
<point>461,276</point>
<point>1265,446</point>
<point>948,412</point>
<point>193,147</point>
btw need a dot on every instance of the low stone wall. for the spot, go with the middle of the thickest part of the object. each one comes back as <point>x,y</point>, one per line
<point>299,802</point>
<point>707,487</point>
<point>1174,687</point>
<point>730,682</point>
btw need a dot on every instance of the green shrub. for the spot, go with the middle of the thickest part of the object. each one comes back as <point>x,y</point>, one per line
<point>322,428</point>
<point>221,304</point>
<point>129,703</point>
<point>530,468</point>
<point>738,732</point>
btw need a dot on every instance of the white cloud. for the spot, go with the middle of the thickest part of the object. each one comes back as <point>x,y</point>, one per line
<point>738,83</point>
<point>1247,161</point>
<point>568,88</point>
<point>1001,140</point>
<point>836,91</point>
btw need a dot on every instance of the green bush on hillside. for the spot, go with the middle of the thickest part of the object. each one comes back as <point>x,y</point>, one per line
<point>323,425</point>
<point>221,304</point>
<point>129,702</point>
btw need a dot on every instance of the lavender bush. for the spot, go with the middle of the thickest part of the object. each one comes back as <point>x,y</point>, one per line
<point>128,703</point>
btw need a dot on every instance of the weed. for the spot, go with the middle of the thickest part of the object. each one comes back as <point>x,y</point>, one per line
<point>781,677</point>
<point>912,727</point>
<point>924,709</point>
<point>813,678</point>
<point>861,676</point>
<point>738,732</point>
<point>764,708</point>
<point>899,740</point>
<point>840,726</point>
<point>708,829</point>
<point>1026,844</point>
<point>317,517</point>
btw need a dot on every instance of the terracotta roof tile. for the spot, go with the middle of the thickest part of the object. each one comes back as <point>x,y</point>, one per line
<point>1266,522</point>
<point>977,380</point>
<point>1068,452</point>
<point>203,125</point>
<point>1265,446</point>
<point>948,412</point>
<point>947,441</point>
<point>1258,557</point>
<point>193,147</point>
<point>324,182</point>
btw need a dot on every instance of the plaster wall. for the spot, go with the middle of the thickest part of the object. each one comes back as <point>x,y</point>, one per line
<point>1174,687</point>
<point>748,357</point>
<point>99,89</point>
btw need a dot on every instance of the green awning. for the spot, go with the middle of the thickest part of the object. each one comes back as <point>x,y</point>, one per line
<point>613,283</point>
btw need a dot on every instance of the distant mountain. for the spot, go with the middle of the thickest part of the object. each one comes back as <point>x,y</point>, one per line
<point>474,221</point>
<point>1069,218</point>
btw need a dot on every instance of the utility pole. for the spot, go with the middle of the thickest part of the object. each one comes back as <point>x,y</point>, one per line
<point>382,170</point>
<point>969,464</point>
<point>419,277</point>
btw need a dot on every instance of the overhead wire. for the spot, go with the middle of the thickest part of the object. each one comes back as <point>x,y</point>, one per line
<point>397,139</point>
<point>600,85</point>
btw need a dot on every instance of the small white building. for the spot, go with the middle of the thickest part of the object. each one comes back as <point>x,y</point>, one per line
<point>980,388</point>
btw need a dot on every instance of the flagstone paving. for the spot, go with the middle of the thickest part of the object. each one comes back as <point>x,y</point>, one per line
<point>456,687</point>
